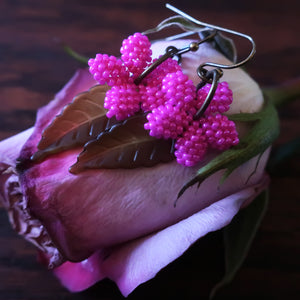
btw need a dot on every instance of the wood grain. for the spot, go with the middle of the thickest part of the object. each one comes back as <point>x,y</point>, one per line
<point>33,67</point>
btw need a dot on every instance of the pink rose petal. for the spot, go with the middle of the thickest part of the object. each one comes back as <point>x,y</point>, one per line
<point>79,276</point>
<point>138,261</point>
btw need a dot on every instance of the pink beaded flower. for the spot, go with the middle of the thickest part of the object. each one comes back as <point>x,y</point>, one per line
<point>136,53</point>
<point>170,99</point>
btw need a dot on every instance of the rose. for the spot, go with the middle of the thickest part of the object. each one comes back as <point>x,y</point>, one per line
<point>121,224</point>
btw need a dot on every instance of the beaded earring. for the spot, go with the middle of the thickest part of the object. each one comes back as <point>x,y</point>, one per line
<point>192,116</point>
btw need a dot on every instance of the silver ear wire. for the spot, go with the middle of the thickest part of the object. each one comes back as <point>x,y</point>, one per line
<point>212,64</point>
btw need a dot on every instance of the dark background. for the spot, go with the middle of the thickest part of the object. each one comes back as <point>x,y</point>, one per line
<point>33,67</point>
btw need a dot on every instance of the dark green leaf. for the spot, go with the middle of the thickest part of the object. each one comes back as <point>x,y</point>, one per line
<point>238,237</point>
<point>125,145</point>
<point>264,131</point>
<point>80,121</point>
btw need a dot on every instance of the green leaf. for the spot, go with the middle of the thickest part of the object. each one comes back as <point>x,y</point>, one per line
<point>80,121</point>
<point>238,237</point>
<point>125,145</point>
<point>264,131</point>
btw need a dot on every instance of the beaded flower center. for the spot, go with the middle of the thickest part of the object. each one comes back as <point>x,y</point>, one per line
<point>169,98</point>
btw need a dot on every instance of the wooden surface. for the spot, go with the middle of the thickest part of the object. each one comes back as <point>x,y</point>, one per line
<point>33,67</point>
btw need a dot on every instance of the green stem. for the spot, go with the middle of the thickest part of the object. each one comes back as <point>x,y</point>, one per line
<point>75,55</point>
<point>285,93</point>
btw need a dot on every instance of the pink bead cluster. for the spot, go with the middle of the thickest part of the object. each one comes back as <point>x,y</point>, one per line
<point>108,70</point>
<point>221,100</point>
<point>170,99</point>
<point>191,146</point>
<point>151,89</point>
<point>121,101</point>
<point>167,121</point>
<point>136,53</point>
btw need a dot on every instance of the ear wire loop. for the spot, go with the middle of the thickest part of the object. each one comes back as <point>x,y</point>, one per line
<point>213,77</point>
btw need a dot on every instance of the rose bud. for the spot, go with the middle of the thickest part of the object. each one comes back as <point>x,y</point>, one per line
<point>122,223</point>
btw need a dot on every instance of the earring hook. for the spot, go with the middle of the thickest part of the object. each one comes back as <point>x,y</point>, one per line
<point>210,64</point>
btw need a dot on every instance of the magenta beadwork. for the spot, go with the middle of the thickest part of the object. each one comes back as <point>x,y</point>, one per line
<point>122,101</point>
<point>178,89</point>
<point>136,53</point>
<point>192,146</point>
<point>221,100</point>
<point>167,121</point>
<point>151,88</point>
<point>220,132</point>
<point>108,70</point>
<point>168,97</point>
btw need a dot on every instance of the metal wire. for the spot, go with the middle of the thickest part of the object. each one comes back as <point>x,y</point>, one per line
<point>213,77</point>
<point>212,64</point>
